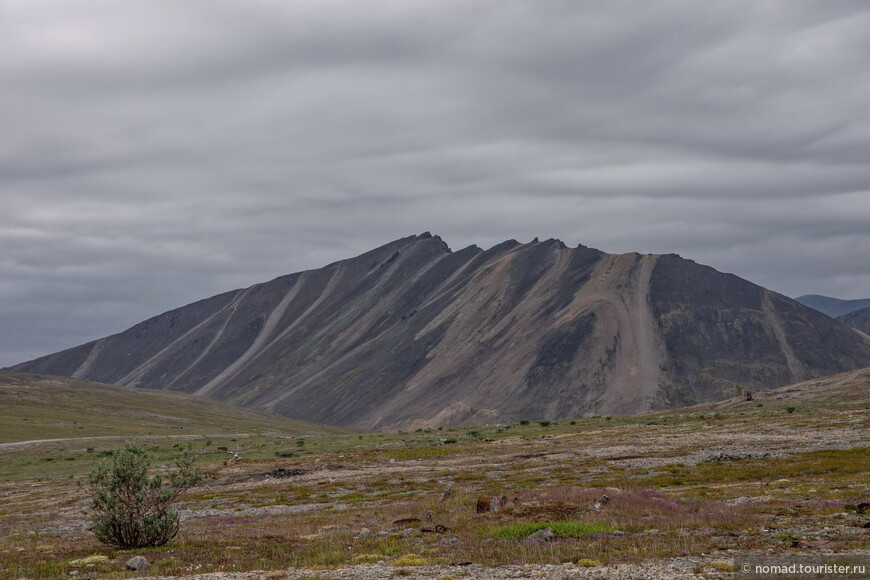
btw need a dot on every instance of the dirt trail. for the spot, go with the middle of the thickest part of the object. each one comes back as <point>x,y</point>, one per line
<point>31,442</point>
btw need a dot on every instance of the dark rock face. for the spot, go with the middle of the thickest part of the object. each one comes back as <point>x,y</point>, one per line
<point>859,320</point>
<point>412,334</point>
<point>724,334</point>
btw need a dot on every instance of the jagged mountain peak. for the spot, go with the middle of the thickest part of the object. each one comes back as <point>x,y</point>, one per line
<point>413,334</point>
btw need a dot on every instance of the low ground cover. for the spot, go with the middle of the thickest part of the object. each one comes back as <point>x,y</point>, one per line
<point>687,484</point>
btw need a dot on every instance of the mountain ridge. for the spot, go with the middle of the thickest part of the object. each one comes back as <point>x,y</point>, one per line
<point>412,334</point>
<point>833,307</point>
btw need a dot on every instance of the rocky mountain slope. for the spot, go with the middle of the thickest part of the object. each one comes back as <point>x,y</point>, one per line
<point>858,319</point>
<point>412,334</point>
<point>833,307</point>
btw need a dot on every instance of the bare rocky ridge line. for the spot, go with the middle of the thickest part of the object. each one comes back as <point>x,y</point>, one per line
<point>412,334</point>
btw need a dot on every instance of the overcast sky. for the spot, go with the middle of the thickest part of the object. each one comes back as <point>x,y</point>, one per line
<point>155,153</point>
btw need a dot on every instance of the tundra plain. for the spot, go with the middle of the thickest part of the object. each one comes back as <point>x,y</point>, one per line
<point>783,474</point>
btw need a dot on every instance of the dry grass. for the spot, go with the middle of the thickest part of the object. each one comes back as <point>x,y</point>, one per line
<point>242,519</point>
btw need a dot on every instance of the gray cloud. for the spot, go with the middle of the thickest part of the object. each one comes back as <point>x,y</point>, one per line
<point>156,153</point>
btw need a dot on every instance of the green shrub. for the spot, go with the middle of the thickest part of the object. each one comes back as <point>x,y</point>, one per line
<point>285,453</point>
<point>524,422</point>
<point>132,509</point>
<point>790,409</point>
<point>544,423</point>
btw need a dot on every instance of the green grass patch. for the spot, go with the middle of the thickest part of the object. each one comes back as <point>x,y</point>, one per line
<point>566,529</point>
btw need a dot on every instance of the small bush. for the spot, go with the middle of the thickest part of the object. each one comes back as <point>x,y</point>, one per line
<point>544,423</point>
<point>791,409</point>
<point>524,422</point>
<point>285,453</point>
<point>132,509</point>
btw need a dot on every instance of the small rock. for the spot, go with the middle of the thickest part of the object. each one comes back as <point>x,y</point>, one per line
<point>857,426</point>
<point>543,535</point>
<point>137,563</point>
<point>365,532</point>
<point>74,573</point>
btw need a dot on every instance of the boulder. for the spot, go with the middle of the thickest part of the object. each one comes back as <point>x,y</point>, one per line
<point>137,563</point>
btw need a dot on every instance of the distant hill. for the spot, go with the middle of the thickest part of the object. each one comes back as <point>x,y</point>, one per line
<point>833,307</point>
<point>849,387</point>
<point>50,407</point>
<point>412,334</point>
<point>858,319</point>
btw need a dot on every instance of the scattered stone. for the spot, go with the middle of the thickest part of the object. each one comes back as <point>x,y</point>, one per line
<point>364,533</point>
<point>444,494</point>
<point>137,563</point>
<point>406,521</point>
<point>601,502</point>
<point>543,535</point>
<point>74,573</point>
<point>862,508</point>
<point>281,472</point>
<point>723,456</point>
<point>857,426</point>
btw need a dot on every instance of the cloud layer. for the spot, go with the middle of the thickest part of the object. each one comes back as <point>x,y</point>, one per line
<point>155,153</point>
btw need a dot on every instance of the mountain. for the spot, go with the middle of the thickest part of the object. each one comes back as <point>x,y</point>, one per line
<point>857,319</point>
<point>38,407</point>
<point>412,334</point>
<point>833,307</point>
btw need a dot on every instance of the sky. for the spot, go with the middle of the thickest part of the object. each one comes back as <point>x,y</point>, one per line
<point>156,153</point>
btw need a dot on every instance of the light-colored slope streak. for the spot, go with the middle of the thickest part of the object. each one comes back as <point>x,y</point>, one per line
<point>496,342</point>
<point>351,333</point>
<point>618,293</point>
<point>133,377</point>
<point>211,344</point>
<point>83,369</point>
<point>256,347</point>
<point>795,366</point>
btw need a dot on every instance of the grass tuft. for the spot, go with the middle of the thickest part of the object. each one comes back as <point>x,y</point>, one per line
<point>566,529</point>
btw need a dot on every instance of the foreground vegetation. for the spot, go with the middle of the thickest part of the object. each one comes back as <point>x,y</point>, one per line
<point>779,477</point>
